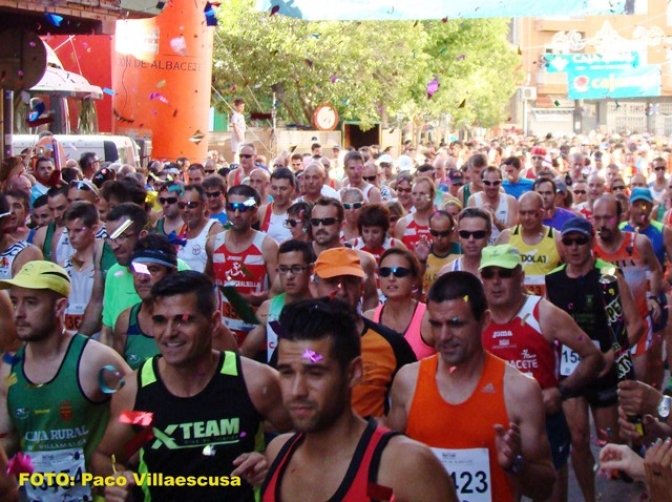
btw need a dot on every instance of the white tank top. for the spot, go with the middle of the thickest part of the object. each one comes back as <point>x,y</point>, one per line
<point>276,227</point>
<point>7,258</point>
<point>501,213</point>
<point>64,249</point>
<point>193,253</point>
<point>81,287</point>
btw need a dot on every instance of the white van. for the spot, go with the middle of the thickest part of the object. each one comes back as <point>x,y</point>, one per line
<point>108,148</point>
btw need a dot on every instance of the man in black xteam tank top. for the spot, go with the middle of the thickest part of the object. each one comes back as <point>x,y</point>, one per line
<point>336,455</point>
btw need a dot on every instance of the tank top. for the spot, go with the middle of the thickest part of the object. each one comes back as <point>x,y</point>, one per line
<point>413,331</point>
<point>432,268</point>
<point>58,425</point>
<point>221,416</point>
<point>8,256</point>
<point>81,286</point>
<point>501,213</point>
<point>274,225</point>
<point>139,346</point>
<point>193,252</point>
<point>538,259</point>
<point>466,193</point>
<point>467,449</point>
<point>48,238</point>
<point>634,268</point>
<point>277,303</point>
<point>521,344</point>
<point>413,232</point>
<point>388,243</point>
<point>160,229</point>
<point>654,231</point>
<point>362,471</point>
<point>64,249</point>
<point>246,271</point>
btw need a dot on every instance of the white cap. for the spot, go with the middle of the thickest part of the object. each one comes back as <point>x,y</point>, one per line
<point>384,159</point>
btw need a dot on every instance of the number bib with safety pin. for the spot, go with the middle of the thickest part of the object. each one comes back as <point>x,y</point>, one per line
<point>470,470</point>
<point>569,359</point>
<point>69,462</point>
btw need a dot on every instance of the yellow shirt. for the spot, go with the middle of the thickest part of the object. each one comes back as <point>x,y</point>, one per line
<point>538,259</point>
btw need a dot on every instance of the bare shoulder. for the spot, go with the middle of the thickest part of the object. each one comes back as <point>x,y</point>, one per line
<point>366,258</point>
<point>269,244</point>
<point>96,355</point>
<point>519,388</point>
<point>276,445</point>
<point>256,374</point>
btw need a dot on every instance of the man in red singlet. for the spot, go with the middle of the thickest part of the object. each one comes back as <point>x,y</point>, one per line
<point>482,417</point>
<point>336,455</point>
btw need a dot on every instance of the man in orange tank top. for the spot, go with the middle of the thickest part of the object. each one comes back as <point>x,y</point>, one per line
<point>525,331</point>
<point>482,417</point>
<point>335,454</point>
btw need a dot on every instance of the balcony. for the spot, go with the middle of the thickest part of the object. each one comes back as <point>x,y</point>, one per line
<point>560,24</point>
<point>550,83</point>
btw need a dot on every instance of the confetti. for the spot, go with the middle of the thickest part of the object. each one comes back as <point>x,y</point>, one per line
<point>110,379</point>
<point>524,319</point>
<point>520,51</point>
<point>54,19</point>
<point>312,356</point>
<point>20,463</point>
<point>160,5</point>
<point>159,97</point>
<point>243,434</point>
<point>465,298</point>
<point>209,450</point>
<point>460,57</point>
<point>452,369</point>
<point>444,20</point>
<point>432,87</point>
<point>334,79</point>
<point>109,91</point>
<point>274,10</point>
<point>463,103</point>
<point>122,228</point>
<point>179,45</point>
<point>210,16</point>
<point>141,418</point>
<point>309,62</point>
<point>197,137</point>
<point>140,268</point>
<point>556,102</point>
<point>160,84</point>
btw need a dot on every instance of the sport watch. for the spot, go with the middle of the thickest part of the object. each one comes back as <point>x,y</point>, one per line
<point>664,407</point>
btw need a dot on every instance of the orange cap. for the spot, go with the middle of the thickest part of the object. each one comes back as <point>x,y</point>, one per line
<point>338,261</point>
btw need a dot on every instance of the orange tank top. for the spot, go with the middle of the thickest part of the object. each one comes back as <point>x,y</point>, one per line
<point>462,435</point>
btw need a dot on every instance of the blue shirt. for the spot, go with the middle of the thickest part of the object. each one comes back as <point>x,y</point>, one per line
<point>654,231</point>
<point>518,188</point>
<point>220,217</point>
<point>559,218</point>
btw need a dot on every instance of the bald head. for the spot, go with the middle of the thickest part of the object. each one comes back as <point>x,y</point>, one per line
<point>531,200</point>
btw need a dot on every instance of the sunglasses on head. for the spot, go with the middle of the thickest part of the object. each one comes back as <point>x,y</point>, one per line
<point>192,204</point>
<point>167,200</point>
<point>491,183</point>
<point>477,234</point>
<point>238,206</point>
<point>354,205</point>
<point>502,273</point>
<point>444,233</point>
<point>579,241</point>
<point>213,194</point>
<point>398,272</point>
<point>370,179</point>
<point>316,222</point>
<point>80,185</point>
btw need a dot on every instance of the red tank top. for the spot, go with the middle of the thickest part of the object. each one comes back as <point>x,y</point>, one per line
<point>521,344</point>
<point>360,478</point>
<point>267,218</point>
<point>462,435</point>
<point>413,233</point>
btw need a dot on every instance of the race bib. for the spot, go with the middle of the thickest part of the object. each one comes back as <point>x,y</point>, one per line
<point>569,359</point>
<point>69,462</point>
<point>470,470</point>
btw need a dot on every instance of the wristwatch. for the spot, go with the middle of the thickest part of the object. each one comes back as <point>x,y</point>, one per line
<point>517,465</point>
<point>664,407</point>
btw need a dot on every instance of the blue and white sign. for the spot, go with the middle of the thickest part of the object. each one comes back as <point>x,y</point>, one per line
<point>396,10</point>
<point>643,81</point>
<point>558,63</point>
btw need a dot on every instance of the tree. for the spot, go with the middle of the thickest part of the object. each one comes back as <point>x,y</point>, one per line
<point>367,70</point>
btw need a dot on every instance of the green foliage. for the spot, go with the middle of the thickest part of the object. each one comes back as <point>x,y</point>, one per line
<point>370,71</point>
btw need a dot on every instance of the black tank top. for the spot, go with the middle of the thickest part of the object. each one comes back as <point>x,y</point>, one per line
<point>221,416</point>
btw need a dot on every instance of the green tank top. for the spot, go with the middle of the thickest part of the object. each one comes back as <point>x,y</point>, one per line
<point>57,424</point>
<point>139,346</point>
<point>159,226</point>
<point>48,237</point>
<point>466,193</point>
<point>107,260</point>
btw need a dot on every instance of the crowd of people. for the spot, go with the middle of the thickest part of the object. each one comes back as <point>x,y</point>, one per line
<point>437,323</point>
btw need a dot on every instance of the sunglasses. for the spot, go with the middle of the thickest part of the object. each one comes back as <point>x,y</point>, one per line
<point>622,187</point>
<point>192,204</point>
<point>579,241</point>
<point>536,157</point>
<point>354,205</point>
<point>404,190</point>
<point>399,272</point>
<point>213,194</point>
<point>238,206</point>
<point>245,156</point>
<point>316,222</point>
<point>370,179</point>
<point>581,192</point>
<point>292,223</point>
<point>502,273</point>
<point>445,233</point>
<point>294,269</point>
<point>491,183</point>
<point>210,171</point>
<point>659,168</point>
<point>477,234</point>
<point>167,200</point>
<point>80,185</point>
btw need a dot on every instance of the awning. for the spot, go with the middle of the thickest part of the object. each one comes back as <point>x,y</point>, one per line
<point>66,84</point>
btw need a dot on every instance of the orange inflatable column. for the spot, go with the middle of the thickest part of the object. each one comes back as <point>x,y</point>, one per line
<point>161,74</point>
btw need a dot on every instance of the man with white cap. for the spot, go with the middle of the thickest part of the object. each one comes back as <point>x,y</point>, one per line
<point>57,388</point>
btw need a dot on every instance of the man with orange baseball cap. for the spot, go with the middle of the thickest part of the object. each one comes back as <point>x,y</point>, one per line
<point>339,274</point>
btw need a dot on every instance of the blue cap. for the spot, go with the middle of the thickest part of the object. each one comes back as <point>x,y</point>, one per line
<point>577,224</point>
<point>641,193</point>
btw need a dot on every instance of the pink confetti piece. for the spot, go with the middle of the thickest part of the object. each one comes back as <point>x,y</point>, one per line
<point>20,463</point>
<point>140,268</point>
<point>243,434</point>
<point>179,45</point>
<point>159,97</point>
<point>312,356</point>
<point>274,10</point>
<point>452,369</point>
<point>432,87</point>
<point>334,79</point>
<point>580,338</point>
<point>460,57</point>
